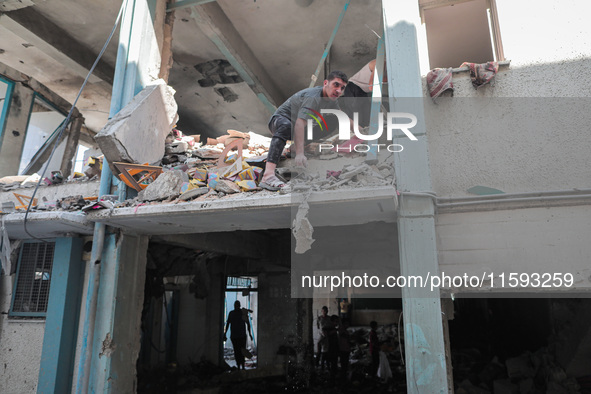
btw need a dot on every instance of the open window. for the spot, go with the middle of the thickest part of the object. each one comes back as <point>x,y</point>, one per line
<point>461,31</point>
<point>44,124</point>
<point>33,279</point>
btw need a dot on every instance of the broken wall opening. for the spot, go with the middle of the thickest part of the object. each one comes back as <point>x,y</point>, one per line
<point>242,289</point>
<point>44,122</point>
<point>185,309</point>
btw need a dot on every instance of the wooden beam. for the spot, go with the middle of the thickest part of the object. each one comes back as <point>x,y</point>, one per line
<point>71,146</point>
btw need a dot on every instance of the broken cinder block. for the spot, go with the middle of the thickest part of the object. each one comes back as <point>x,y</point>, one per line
<point>176,147</point>
<point>167,185</point>
<point>137,133</point>
<point>226,186</point>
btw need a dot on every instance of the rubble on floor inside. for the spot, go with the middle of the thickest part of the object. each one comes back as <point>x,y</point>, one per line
<point>93,164</point>
<point>528,373</point>
<point>360,361</point>
<point>191,169</point>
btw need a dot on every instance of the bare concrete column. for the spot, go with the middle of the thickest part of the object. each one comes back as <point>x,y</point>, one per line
<point>71,146</point>
<point>117,333</point>
<point>426,370</point>
<point>166,52</point>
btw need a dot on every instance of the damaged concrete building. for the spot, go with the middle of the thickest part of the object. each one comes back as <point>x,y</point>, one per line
<point>114,282</point>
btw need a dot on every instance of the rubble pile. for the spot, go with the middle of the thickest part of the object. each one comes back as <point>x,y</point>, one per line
<point>360,361</point>
<point>360,175</point>
<point>531,372</point>
<point>92,172</point>
<point>215,168</point>
<point>8,183</point>
<point>201,168</point>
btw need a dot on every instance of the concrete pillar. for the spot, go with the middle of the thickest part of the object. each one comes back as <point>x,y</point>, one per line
<point>116,343</point>
<point>61,323</point>
<point>114,330</point>
<point>425,349</point>
<point>15,130</point>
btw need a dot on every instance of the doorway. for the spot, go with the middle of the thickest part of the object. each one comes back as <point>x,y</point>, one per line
<point>243,289</point>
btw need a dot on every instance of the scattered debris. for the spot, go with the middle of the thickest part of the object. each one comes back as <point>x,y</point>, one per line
<point>216,168</point>
<point>167,185</point>
<point>55,179</point>
<point>95,166</point>
<point>228,187</point>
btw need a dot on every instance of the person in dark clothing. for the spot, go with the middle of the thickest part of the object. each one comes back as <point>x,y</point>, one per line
<point>374,347</point>
<point>344,349</point>
<point>322,322</point>
<point>239,328</point>
<point>333,348</point>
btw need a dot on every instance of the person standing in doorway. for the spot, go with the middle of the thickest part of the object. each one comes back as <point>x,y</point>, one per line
<point>374,347</point>
<point>239,326</point>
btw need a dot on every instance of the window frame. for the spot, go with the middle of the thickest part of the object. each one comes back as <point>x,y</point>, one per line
<point>5,107</point>
<point>12,313</point>
<point>50,138</point>
<point>493,23</point>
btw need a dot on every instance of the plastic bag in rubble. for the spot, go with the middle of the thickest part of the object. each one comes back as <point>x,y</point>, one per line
<point>384,371</point>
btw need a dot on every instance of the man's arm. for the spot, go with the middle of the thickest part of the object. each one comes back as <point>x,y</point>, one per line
<point>248,328</point>
<point>227,325</point>
<point>299,130</point>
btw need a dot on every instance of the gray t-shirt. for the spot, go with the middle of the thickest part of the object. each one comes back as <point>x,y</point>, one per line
<point>295,106</point>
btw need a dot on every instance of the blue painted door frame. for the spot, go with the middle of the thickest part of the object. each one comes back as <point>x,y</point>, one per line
<point>61,322</point>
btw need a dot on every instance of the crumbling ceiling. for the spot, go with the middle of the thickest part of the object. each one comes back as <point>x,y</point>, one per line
<point>286,37</point>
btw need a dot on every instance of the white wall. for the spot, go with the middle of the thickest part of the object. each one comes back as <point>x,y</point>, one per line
<point>514,144</point>
<point>21,343</point>
<point>535,240</point>
<point>544,31</point>
<point>529,131</point>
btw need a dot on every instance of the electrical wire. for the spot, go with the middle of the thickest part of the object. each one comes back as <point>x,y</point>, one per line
<point>67,121</point>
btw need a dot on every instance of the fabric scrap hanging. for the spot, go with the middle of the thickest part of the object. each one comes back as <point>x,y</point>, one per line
<point>439,80</point>
<point>483,73</point>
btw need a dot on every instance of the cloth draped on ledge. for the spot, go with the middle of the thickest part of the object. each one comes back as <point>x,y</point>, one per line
<point>483,73</point>
<point>439,80</point>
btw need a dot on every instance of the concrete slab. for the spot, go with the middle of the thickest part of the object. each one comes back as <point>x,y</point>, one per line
<point>137,133</point>
<point>47,224</point>
<point>258,211</point>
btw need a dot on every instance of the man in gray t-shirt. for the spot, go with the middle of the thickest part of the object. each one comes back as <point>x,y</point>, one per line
<point>294,114</point>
